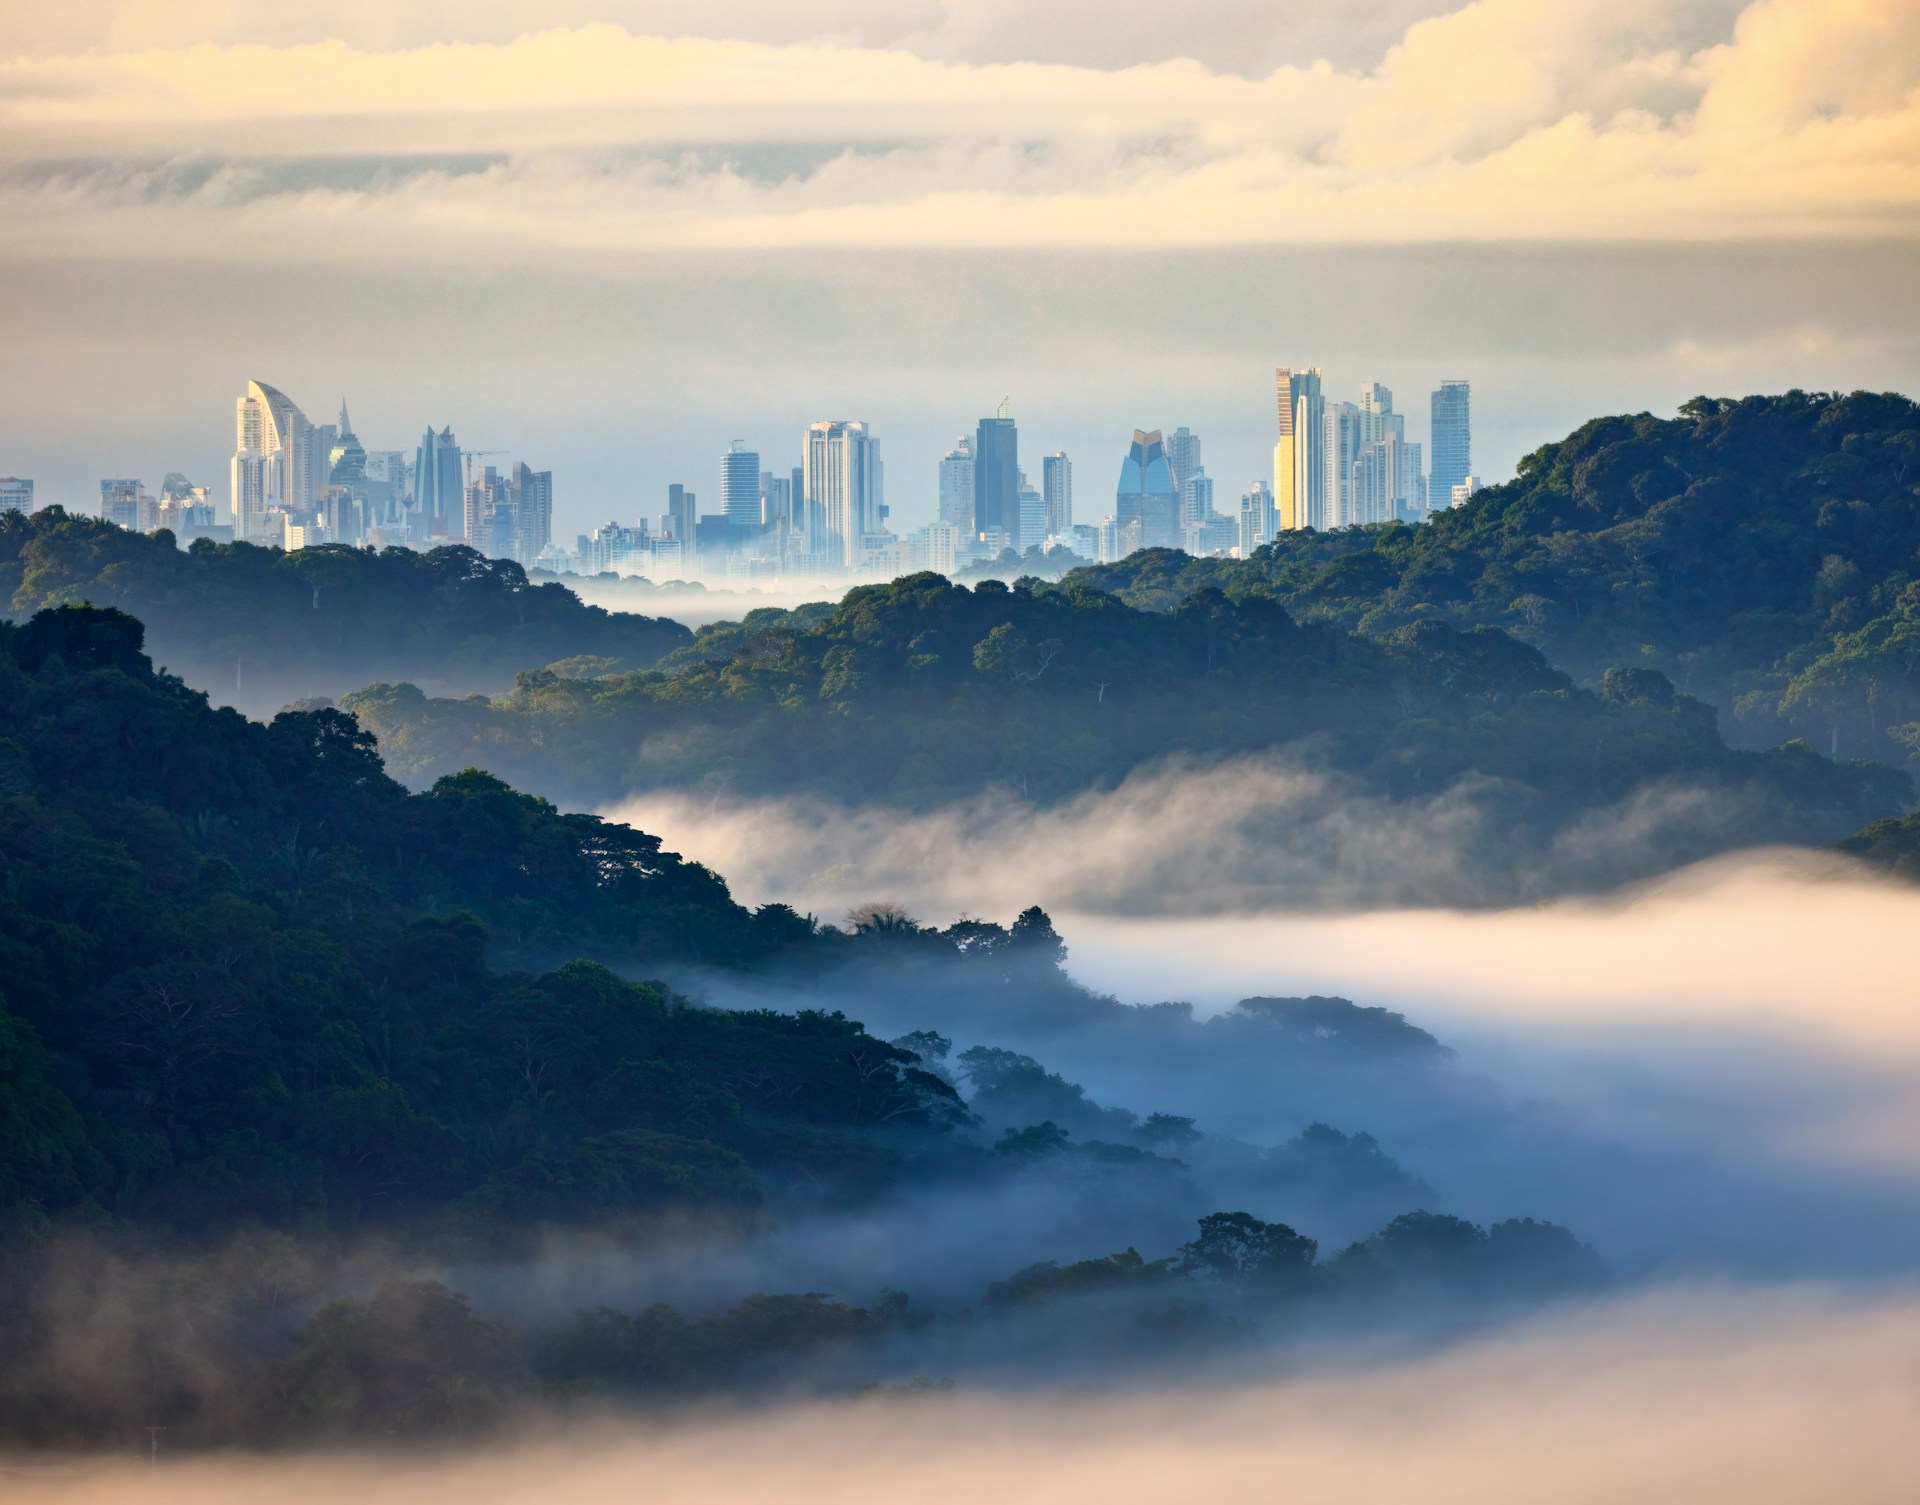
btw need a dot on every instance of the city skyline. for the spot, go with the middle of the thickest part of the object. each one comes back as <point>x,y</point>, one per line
<point>284,461</point>
<point>293,484</point>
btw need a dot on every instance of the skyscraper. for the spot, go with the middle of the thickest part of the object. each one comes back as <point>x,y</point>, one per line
<point>996,476</point>
<point>346,457</point>
<point>1056,484</point>
<point>16,494</point>
<point>1299,455</point>
<point>682,513</point>
<point>844,483</point>
<point>1183,454</point>
<point>1146,498</point>
<point>120,503</point>
<point>487,522</point>
<point>1452,457</point>
<point>956,486</point>
<point>1256,519</point>
<point>1196,498</point>
<point>1386,478</point>
<point>532,511</point>
<point>776,502</point>
<point>1033,517</point>
<point>1342,440</point>
<point>439,487</point>
<point>275,462</point>
<point>740,486</point>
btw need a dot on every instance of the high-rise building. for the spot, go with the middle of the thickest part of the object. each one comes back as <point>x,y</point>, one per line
<point>682,513</point>
<point>1183,454</point>
<point>439,487</point>
<point>1299,455</point>
<point>120,503</point>
<point>776,502</point>
<point>1385,479</point>
<point>1056,485</point>
<point>1146,499</point>
<point>1452,457</point>
<point>1211,536</point>
<point>1256,519</point>
<point>1196,498</point>
<point>934,547</point>
<point>956,486</point>
<point>844,484</point>
<point>611,547</point>
<point>489,522</point>
<point>1340,430</point>
<point>996,476</point>
<point>1464,490</point>
<point>346,458</point>
<point>276,463</point>
<point>388,477</point>
<point>740,486</point>
<point>16,494</point>
<point>532,512</point>
<point>1033,518</point>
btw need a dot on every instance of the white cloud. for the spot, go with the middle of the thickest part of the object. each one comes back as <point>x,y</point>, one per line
<point>1506,119</point>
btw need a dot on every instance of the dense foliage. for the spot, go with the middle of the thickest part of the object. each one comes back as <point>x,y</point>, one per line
<point>244,976</point>
<point>259,628</point>
<point>1764,553</point>
<point>1892,844</point>
<point>919,693</point>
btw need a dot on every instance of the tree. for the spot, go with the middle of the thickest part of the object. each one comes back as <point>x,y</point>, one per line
<point>1241,1250</point>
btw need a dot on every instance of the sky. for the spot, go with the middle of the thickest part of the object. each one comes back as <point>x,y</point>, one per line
<point>611,236</point>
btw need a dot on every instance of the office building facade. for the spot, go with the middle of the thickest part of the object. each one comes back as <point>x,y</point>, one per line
<point>844,485</point>
<point>1452,441</point>
<point>439,487</point>
<point>1056,485</point>
<point>1146,500</point>
<point>956,486</point>
<point>1299,454</point>
<point>996,477</point>
<point>740,486</point>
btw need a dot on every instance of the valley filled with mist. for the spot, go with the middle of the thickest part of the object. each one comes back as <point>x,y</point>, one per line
<point>1188,1024</point>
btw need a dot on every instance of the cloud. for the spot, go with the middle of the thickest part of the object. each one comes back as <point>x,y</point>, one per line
<point>1505,119</point>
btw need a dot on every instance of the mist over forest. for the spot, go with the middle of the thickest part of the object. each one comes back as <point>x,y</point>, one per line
<point>1167,978</point>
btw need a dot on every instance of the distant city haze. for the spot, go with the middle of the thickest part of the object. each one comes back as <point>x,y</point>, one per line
<point>595,235</point>
<point>624,380</point>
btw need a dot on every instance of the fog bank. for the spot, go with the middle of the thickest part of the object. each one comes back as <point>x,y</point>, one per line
<point>1695,1395</point>
<point>1247,835</point>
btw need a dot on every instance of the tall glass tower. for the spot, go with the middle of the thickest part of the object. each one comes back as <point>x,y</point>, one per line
<point>1056,484</point>
<point>1452,457</point>
<point>996,475</point>
<point>1146,496</point>
<point>740,485</point>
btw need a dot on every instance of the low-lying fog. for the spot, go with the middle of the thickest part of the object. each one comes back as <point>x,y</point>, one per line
<point>1249,835</point>
<point>693,604</point>
<point>1716,1072</point>
<point>1713,1079</point>
<point>1696,1397</point>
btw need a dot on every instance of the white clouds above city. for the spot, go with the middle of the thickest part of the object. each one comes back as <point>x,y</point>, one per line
<point>1502,120</point>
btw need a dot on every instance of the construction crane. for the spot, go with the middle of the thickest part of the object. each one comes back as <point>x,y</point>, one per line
<point>474,454</point>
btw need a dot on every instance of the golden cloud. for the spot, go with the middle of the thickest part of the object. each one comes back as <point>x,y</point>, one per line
<point>1505,120</point>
